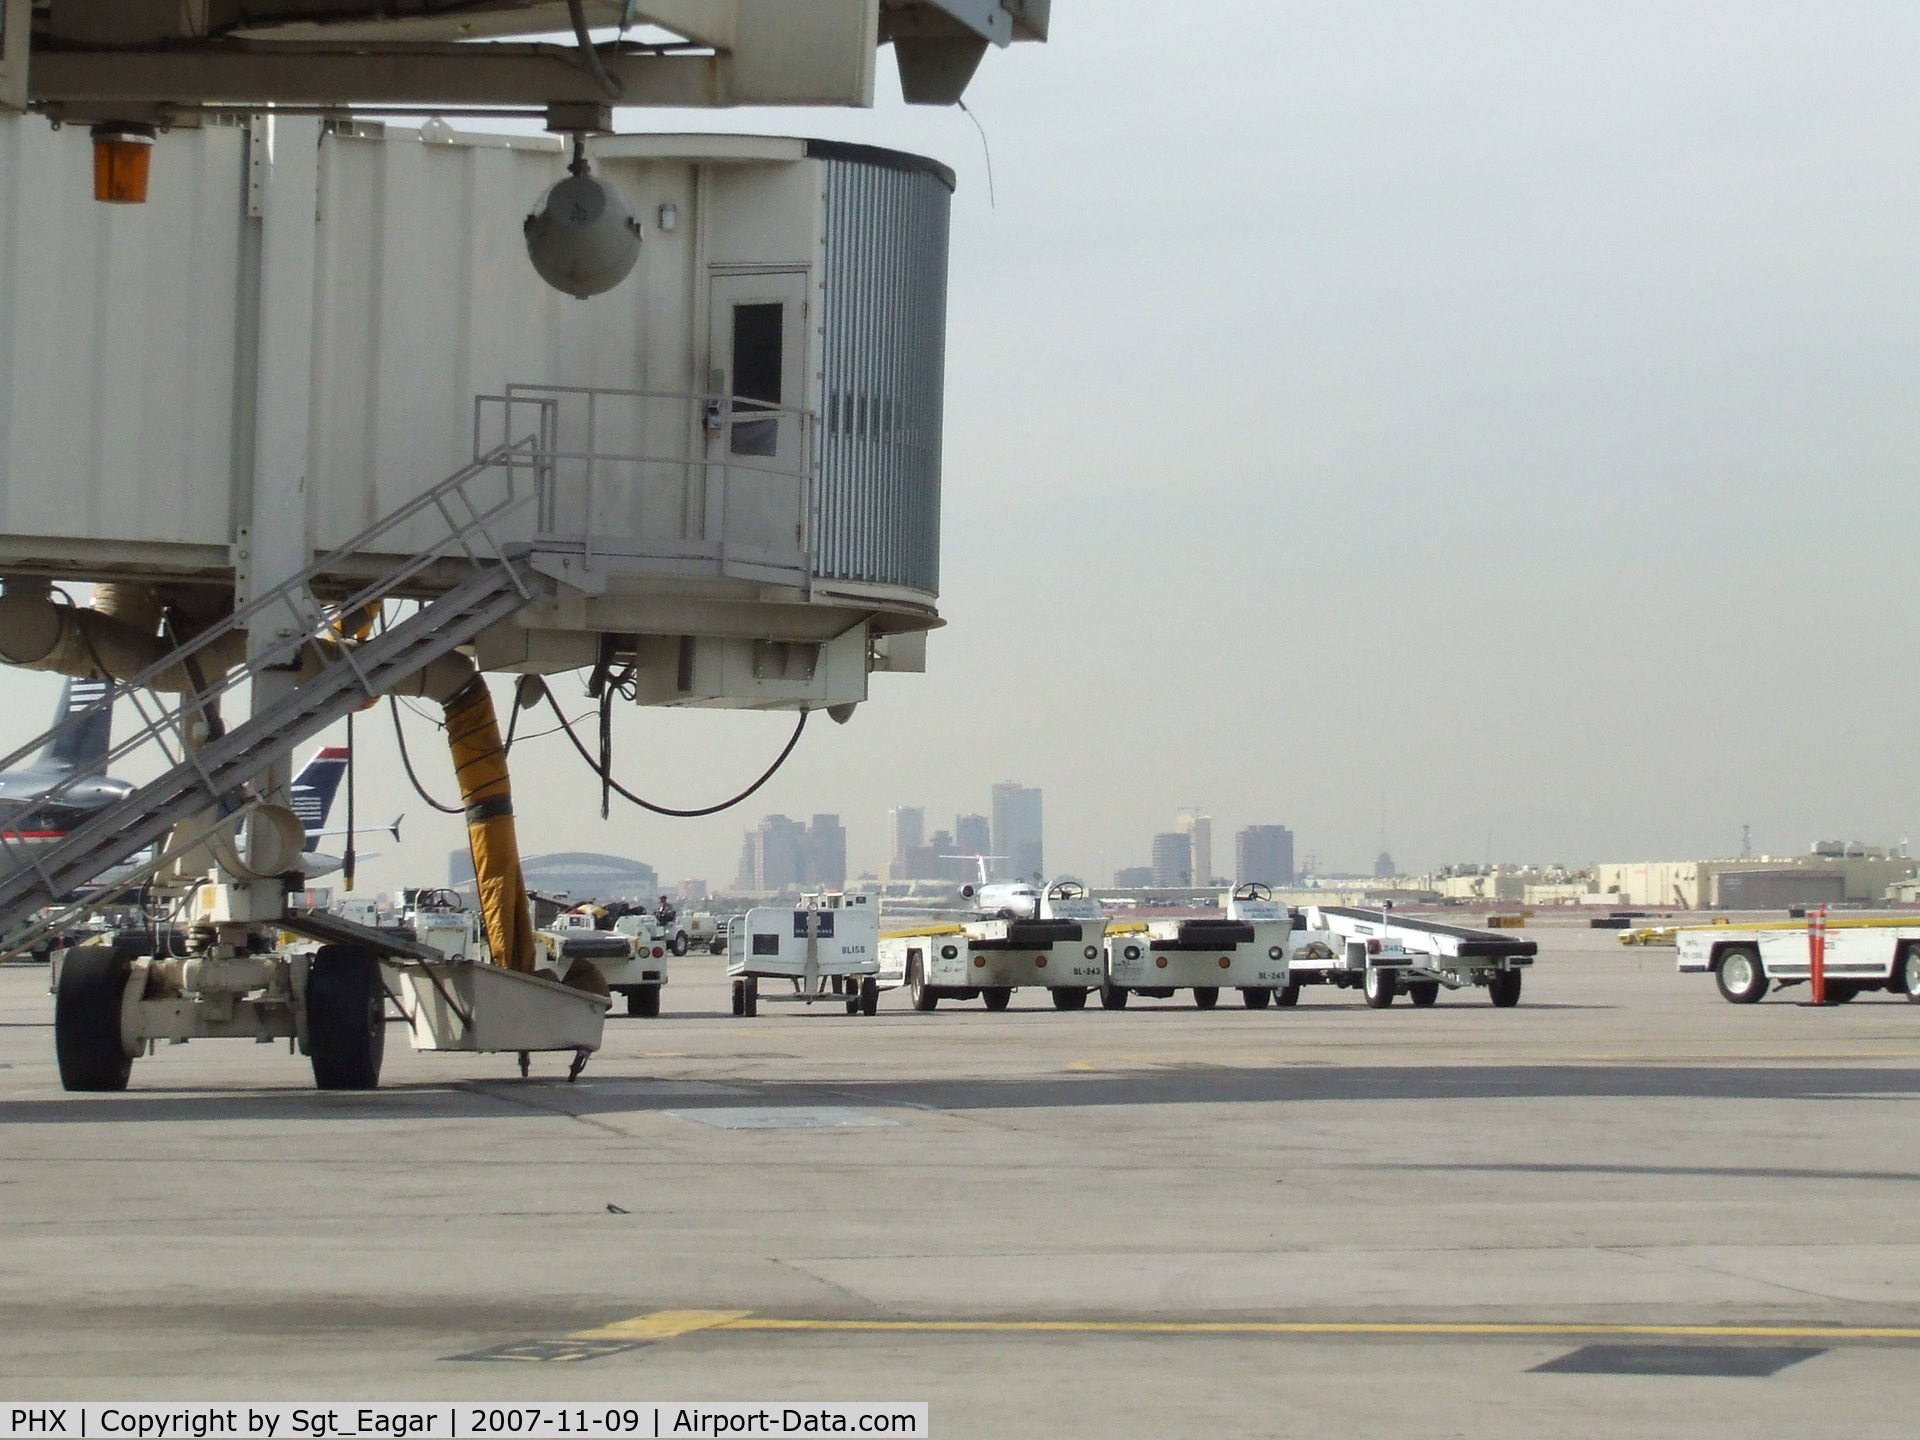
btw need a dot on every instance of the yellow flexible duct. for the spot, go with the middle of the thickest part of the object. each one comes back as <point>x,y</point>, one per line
<point>480,764</point>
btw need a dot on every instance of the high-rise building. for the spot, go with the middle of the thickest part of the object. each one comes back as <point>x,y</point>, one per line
<point>1017,833</point>
<point>1383,867</point>
<point>827,853</point>
<point>909,826</point>
<point>774,857</point>
<point>1172,859</point>
<point>1263,855</point>
<point>1133,877</point>
<point>1200,827</point>
<point>972,835</point>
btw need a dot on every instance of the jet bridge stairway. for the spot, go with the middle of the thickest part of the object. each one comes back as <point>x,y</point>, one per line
<point>491,580</point>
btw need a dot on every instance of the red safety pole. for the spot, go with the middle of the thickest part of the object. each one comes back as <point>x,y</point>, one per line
<point>1817,951</point>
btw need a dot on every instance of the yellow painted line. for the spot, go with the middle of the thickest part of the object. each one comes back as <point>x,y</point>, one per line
<point>666,1324</point>
<point>662,1325</point>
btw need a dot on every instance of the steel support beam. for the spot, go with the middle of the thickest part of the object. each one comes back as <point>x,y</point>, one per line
<point>367,75</point>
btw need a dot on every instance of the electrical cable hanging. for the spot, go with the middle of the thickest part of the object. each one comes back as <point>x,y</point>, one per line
<point>609,783</point>
<point>610,87</point>
<point>406,762</point>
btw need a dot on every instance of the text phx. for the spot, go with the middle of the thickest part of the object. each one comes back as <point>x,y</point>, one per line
<point>40,1422</point>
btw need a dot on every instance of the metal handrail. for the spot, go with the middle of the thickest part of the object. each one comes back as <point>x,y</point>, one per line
<point>310,619</point>
<point>573,418</point>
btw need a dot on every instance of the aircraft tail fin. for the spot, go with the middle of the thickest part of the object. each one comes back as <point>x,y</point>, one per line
<point>85,746</point>
<point>314,788</point>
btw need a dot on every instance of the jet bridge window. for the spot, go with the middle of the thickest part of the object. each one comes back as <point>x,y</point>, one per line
<point>757,362</point>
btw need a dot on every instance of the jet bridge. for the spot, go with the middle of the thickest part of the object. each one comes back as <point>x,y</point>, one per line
<point>245,373</point>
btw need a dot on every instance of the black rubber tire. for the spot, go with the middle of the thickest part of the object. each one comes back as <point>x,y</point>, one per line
<point>1069,997</point>
<point>1205,997</point>
<point>1503,988</point>
<point>998,997</point>
<point>739,997</point>
<point>1424,993</point>
<point>750,996</point>
<point>919,992</point>
<point>869,1002</point>
<point>1113,997</point>
<point>1255,998</point>
<point>679,944</point>
<point>644,1001</point>
<point>346,1018</point>
<point>1379,987</point>
<point>86,1019</point>
<point>1287,996</point>
<point>853,1006</point>
<point>1910,974</point>
<point>1747,982</point>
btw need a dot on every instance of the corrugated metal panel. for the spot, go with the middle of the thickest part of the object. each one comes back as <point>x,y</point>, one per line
<point>884,374</point>
<point>117,369</point>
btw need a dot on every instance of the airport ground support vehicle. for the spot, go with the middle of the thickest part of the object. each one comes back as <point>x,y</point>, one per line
<point>1381,953</point>
<point>1748,960</point>
<point>1059,950</point>
<point>631,963</point>
<point>1245,951</point>
<point>827,948</point>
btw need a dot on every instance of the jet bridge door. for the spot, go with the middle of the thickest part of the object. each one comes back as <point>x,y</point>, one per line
<point>759,437</point>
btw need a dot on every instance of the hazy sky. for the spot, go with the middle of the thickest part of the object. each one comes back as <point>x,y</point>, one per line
<point>1505,409</point>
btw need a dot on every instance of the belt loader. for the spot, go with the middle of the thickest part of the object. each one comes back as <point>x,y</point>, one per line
<point>1380,954</point>
<point>1058,950</point>
<point>826,949</point>
<point>1246,951</point>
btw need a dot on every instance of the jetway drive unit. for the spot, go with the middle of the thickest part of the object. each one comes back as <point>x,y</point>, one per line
<point>730,464</point>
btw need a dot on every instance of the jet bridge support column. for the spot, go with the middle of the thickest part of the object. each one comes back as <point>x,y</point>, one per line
<point>270,542</point>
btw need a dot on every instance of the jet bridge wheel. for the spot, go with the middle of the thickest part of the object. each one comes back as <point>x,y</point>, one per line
<point>644,1001</point>
<point>1503,988</point>
<point>998,997</point>
<point>86,1018</point>
<point>1424,993</point>
<point>1113,997</point>
<point>346,1018</point>
<point>1255,999</point>
<point>1381,986</point>
<point>1740,976</point>
<point>1205,997</point>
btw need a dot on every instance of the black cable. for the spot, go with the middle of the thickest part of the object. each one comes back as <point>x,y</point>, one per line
<point>606,777</point>
<point>407,761</point>
<point>513,724</point>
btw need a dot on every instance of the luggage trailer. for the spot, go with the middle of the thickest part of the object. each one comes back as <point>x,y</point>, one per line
<point>1381,954</point>
<point>827,949</point>
<point>1748,960</point>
